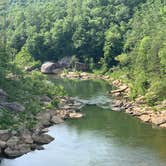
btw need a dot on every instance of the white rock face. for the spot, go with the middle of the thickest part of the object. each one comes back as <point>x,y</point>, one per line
<point>48,67</point>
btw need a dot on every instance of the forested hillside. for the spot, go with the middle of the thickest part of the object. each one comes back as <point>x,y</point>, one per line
<point>124,38</point>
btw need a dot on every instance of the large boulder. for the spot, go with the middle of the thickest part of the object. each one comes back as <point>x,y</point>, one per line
<point>44,118</point>
<point>49,67</point>
<point>13,106</point>
<point>42,139</point>
<point>12,152</point>
<point>26,137</point>
<point>17,150</point>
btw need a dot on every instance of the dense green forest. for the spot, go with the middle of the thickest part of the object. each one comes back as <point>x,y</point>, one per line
<point>123,38</point>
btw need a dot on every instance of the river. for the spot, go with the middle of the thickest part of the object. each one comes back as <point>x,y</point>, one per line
<point>102,138</point>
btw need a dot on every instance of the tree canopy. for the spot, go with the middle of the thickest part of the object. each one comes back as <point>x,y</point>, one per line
<point>128,34</point>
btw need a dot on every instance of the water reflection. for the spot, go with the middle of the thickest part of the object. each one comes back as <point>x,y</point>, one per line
<point>83,89</point>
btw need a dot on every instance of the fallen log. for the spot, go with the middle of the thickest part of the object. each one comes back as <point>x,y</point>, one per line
<point>120,90</point>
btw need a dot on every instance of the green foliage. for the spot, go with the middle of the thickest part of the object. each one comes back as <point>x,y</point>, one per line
<point>145,47</point>
<point>57,28</point>
<point>6,119</point>
<point>122,59</point>
<point>24,59</point>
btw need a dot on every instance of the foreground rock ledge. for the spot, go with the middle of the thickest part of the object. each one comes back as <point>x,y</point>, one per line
<point>22,142</point>
<point>17,143</point>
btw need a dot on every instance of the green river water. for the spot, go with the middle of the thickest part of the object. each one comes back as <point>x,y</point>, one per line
<point>102,138</point>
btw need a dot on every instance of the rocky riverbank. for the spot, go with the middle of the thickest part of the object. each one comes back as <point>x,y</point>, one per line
<point>14,143</point>
<point>137,108</point>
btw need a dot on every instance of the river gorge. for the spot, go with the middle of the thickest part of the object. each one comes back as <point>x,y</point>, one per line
<point>101,138</point>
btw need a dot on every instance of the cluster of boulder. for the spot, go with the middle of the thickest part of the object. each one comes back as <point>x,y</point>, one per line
<point>64,63</point>
<point>17,143</point>
<point>70,108</point>
<point>137,108</point>
<point>14,143</point>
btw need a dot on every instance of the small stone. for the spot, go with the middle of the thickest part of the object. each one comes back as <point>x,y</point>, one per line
<point>2,144</point>
<point>45,130</point>
<point>4,135</point>
<point>38,147</point>
<point>13,132</point>
<point>45,99</point>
